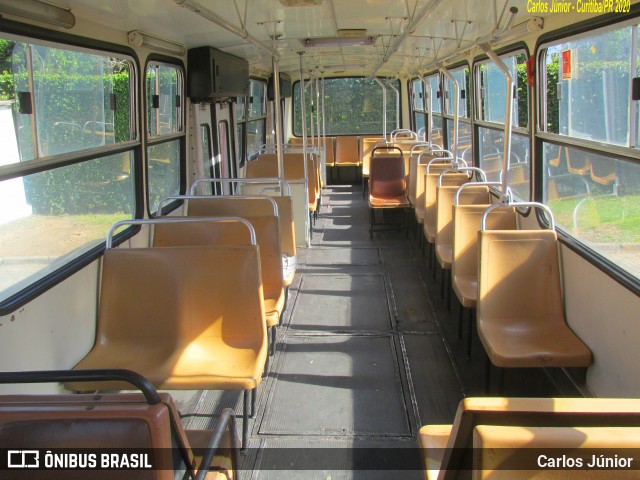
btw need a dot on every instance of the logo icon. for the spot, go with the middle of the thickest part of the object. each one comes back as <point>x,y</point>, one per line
<point>23,458</point>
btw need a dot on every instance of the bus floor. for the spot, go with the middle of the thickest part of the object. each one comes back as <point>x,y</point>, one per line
<point>367,353</point>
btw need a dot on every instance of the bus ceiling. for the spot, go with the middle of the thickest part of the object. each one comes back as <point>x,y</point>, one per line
<point>352,37</point>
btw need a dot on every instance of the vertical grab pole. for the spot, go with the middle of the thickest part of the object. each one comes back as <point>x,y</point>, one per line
<point>278,115</point>
<point>427,88</point>
<point>456,105</point>
<point>397,103</point>
<point>313,107</point>
<point>323,156</point>
<point>304,143</point>
<point>384,108</point>
<point>508,119</point>
<point>324,130</point>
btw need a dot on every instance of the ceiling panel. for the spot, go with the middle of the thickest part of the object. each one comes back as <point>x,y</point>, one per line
<point>450,26</point>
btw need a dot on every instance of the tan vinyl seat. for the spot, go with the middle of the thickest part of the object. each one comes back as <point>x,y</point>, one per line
<point>186,318</point>
<point>514,452</point>
<point>448,463</point>
<point>266,165</point>
<point>603,171</point>
<point>430,199</point>
<point>466,220</point>
<point>445,196</point>
<point>347,151</point>
<point>519,309</point>
<point>259,212</point>
<point>578,162</point>
<point>413,184</point>
<point>421,171</point>
<point>287,237</point>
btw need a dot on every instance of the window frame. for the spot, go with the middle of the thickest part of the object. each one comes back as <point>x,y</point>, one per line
<point>476,105</point>
<point>181,135</point>
<point>399,113</point>
<point>584,28</point>
<point>436,99</point>
<point>30,33</point>
<point>243,124</point>
<point>412,109</point>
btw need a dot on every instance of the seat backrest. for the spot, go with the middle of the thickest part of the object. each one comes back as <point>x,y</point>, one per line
<point>367,145</point>
<point>501,452</point>
<point>445,196</point>
<point>430,186</point>
<point>466,219</point>
<point>525,412</point>
<point>286,224</point>
<point>189,293</point>
<point>347,150</point>
<point>200,233</point>
<point>421,170</point>
<point>266,227</point>
<point>413,173</point>
<point>386,178</point>
<point>229,206</point>
<point>519,275</point>
<point>95,422</point>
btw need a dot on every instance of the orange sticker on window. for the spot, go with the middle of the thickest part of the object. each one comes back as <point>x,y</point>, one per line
<point>566,64</point>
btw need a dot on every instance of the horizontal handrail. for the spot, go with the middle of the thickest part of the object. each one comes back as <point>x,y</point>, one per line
<point>475,184</point>
<point>200,197</point>
<point>552,222</point>
<point>462,169</point>
<point>96,375</point>
<point>283,182</point>
<point>156,221</point>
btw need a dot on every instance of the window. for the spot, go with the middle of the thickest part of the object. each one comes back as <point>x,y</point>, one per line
<point>418,96</point>
<point>464,108</point>
<point>251,118</point>
<point>588,133</point>
<point>69,143</point>
<point>490,119</point>
<point>437,132</point>
<point>353,106</point>
<point>165,132</point>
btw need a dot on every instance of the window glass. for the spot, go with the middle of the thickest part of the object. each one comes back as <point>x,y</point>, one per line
<point>494,90</point>
<point>51,217</point>
<point>464,140</point>
<point>491,143</point>
<point>353,106</point>
<point>164,84</point>
<point>434,82</point>
<point>255,136</point>
<point>241,109</point>
<point>59,101</point>
<point>595,198</point>
<point>206,154</point>
<point>588,83</point>
<point>257,97</point>
<point>417,95</point>
<point>163,170</point>
<point>436,131</point>
<point>464,105</point>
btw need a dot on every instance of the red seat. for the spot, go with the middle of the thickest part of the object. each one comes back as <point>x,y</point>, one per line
<point>387,183</point>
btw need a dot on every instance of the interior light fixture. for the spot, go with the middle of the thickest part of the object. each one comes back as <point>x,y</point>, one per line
<point>141,39</point>
<point>38,11</point>
<point>300,3</point>
<point>534,24</point>
<point>339,41</point>
<point>334,68</point>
